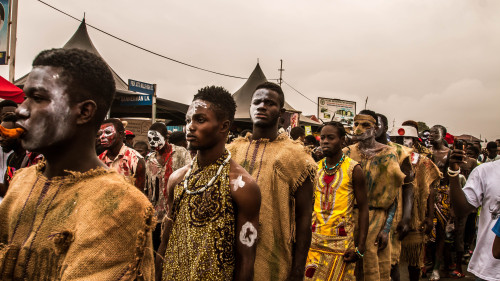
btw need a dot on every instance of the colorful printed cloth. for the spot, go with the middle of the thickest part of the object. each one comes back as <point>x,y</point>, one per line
<point>202,240</point>
<point>332,224</point>
<point>280,167</point>
<point>125,163</point>
<point>84,226</point>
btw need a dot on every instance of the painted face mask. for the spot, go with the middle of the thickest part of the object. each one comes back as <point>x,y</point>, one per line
<point>156,140</point>
<point>364,127</point>
<point>408,142</point>
<point>107,135</point>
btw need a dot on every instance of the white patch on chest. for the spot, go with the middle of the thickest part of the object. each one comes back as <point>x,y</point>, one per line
<point>248,234</point>
<point>238,183</point>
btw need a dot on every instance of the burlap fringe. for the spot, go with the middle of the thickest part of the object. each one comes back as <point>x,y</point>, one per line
<point>134,269</point>
<point>309,172</point>
<point>74,177</point>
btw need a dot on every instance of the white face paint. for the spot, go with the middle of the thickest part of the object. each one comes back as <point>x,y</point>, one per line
<point>194,106</point>
<point>248,234</point>
<point>156,140</point>
<point>238,183</point>
<point>408,142</point>
<point>46,114</point>
<point>107,135</point>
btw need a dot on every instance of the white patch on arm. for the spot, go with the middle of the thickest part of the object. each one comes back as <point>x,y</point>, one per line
<point>238,183</point>
<point>248,234</point>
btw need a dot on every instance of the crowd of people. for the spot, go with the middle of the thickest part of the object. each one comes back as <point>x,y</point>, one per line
<point>82,201</point>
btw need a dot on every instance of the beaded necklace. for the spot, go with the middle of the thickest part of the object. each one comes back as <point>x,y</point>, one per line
<point>212,180</point>
<point>331,171</point>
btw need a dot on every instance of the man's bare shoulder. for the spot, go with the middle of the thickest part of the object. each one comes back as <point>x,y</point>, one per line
<point>178,175</point>
<point>239,177</point>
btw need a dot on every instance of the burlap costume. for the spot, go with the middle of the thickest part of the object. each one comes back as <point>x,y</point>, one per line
<point>279,168</point>
<point>84,226</point>
<point>427,176</point>
<point>332,225</point>
<point>202,240</point>
<point>383,181</point>
<point>403,153</point>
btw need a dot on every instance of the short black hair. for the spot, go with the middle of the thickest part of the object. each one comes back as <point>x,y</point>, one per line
<point>337,125</point>
<point>296,132</point>
<point>222,102</point>
<point>273,87</point>
<point>474,148</point>
<point>311,139</point>
<point>5,103</point>
<point>442,129</point>
<point>383,117</point>
<point>88,77</point>
<point>411,123</point>
<point>177,137</point>
<point>160,127</point>
<point>10,118</point>
<point>371,113</point>
<point>491,145</point>
<point>116,123</point>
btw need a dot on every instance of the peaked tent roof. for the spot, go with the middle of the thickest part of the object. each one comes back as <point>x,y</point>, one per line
<point>81,40</point>
<point>243,97</point>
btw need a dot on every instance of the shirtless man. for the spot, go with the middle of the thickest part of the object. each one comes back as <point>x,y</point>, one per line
<point>211,228</point>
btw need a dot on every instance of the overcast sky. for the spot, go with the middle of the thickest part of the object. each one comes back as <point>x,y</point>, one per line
<point>431,61</point>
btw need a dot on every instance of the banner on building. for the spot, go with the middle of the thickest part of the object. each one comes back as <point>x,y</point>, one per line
<point>4,31</point>
<point>336,110</point>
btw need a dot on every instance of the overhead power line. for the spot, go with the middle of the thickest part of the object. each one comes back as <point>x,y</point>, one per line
<point>300,92</point>
<point>142,48</point>
<point>163,56</point>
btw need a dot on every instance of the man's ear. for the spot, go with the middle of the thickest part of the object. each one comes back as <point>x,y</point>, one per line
<point>86,112</point>
<point>226,125</point>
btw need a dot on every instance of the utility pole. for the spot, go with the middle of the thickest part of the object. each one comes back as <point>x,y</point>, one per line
<point>13,39</point>
<point>281,72</point>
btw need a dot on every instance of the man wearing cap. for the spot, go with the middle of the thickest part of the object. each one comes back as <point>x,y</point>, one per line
<point>129,138</point>
<point>402,217</point>
<point>492,149</point>
<point>427,177</point>
<point>383,180</point>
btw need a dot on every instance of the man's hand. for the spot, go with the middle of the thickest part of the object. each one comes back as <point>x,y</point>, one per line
<point>382,240</point>
<point>457,157</point>
<point>427,226</point>
<point>351,256</point>
<point>403,228</point>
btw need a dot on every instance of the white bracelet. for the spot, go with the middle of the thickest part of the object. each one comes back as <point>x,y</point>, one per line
<point>453,172</point>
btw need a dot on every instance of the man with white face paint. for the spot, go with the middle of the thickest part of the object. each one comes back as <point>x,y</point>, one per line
<point>383,181</point>
<point>125,160</point>
<point>212,224</point>
<point>165,159</point>
<point>71,211</point>
<point>427,176</point>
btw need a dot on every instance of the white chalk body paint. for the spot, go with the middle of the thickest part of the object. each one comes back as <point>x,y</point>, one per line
<point>194,106</point>
<point>248,234</point>
<point>238,183</point>
<point>156,140</point>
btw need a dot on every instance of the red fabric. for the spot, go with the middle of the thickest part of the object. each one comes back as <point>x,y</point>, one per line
<point>9,91</point>
<point>449,138</point>
<point>168,168</point>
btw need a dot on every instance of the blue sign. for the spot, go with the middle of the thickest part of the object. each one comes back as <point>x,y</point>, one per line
<point>136,100</point>
<point>4,30</point>
<point>141,87</point>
